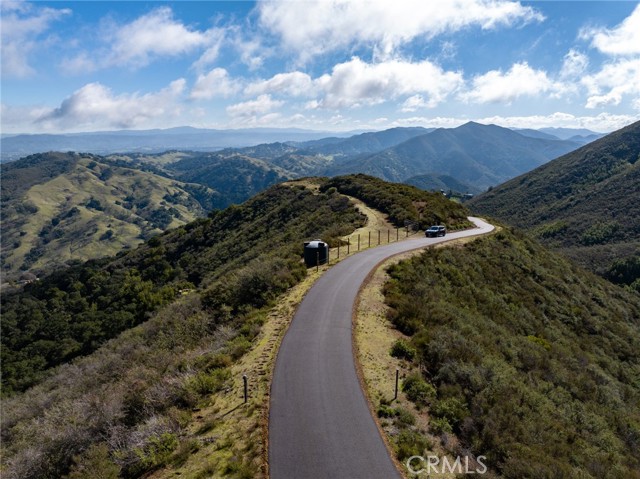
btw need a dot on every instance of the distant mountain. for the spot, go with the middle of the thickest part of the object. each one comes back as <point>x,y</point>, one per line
<point>535,134</point>
<point>435,182</point>
<point>294,159</point>
<point>370,142</point>
<point>568,133</point>
<point>585,203</point>
<point>481,155</point>
<point>182,138</point>
<point>60,207</point>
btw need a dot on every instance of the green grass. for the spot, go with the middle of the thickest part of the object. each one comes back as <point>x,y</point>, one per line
<point>89,210</point>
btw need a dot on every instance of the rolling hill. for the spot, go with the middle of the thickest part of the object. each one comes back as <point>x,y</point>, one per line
<point>236,177</point>
<point>480,155</point>
<point>584,204</point>
<point>60,207</point>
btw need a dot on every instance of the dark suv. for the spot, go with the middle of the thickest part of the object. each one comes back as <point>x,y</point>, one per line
<point>435,231</point>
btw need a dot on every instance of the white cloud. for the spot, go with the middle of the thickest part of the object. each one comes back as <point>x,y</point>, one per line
<point>604,122</point>
<point>312,28</point>
<point>216,83</point>
<point>253,108</point>
<point>574,64</point>
<point>621,40</point>
<point>95,106</point>
<point>215,40</point>
<point>496,86</point>
<point>153,35</point>
<point>355,83</point>
<point>81,63</point>
<point>413,103</point>
<point>22,26</point>
<point>613,82</point>
<point>293,83</point>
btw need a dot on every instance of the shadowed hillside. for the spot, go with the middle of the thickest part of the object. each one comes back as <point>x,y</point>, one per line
<point>584,204</point>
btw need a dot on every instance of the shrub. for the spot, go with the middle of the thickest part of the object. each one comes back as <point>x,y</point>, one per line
<point>94,463</point>
<point>401,349</point>
<point>452,410</point>
<point>404,418</point>
<point>418,390</point>
<point>410,443</point>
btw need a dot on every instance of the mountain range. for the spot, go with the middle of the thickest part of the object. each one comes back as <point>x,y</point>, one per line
<point>141,194</point>
<point>150,141</point>
<point>480,155</point>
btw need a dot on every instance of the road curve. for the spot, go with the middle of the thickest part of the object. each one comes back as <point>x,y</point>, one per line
<point>320,425</point>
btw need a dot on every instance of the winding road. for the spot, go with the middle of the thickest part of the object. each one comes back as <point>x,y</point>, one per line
<point>320,425</point>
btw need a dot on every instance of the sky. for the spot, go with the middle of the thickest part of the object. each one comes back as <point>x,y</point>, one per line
<point>330,65</point>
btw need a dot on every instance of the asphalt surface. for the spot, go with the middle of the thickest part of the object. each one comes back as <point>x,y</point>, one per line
<point>320,425</point>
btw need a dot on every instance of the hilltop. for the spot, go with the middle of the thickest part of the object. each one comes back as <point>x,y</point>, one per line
<point>584,204</point>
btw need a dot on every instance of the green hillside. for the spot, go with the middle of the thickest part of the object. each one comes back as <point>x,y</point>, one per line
<point>436,182</point>
<point>236,177</point>
<point>525,359</point>
<point>584,204</point>
<point>126,406</point>
<point>62,207</point>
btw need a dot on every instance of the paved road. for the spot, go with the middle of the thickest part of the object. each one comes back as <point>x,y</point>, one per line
<point>320,425</point>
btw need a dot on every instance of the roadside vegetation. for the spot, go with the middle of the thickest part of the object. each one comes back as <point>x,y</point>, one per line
<point>518,356</point>
<point>405,205</point>
<point>161,329</point>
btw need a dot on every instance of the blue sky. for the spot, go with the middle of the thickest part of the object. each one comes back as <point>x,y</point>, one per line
<point>324,65</point>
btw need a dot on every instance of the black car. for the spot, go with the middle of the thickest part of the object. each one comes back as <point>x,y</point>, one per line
<point>434,231</point>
